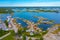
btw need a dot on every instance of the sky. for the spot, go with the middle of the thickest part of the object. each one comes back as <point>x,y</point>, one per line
<point>29,3</point>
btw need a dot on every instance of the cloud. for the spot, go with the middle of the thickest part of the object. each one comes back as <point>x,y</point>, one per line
<point>34,4</point>
<point>42,4</point>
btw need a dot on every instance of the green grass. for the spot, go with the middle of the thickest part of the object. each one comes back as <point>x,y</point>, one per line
<point>10,37</point>
<point>2,32</point>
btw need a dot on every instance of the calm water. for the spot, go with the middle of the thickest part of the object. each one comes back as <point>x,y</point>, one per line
<point>29,16</point>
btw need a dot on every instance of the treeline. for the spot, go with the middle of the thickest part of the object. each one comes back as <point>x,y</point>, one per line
<point>42,10</point>
<point>6,10</point>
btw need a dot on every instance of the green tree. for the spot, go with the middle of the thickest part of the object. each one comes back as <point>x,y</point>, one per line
<point>41,38</point>
<point>19,32</point>
<point>6,23</point>
<point>24,37</point>
<point>30,38</point>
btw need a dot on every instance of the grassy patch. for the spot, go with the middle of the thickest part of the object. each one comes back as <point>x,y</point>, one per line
<point>10,37</point>
<point>2,32</point>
